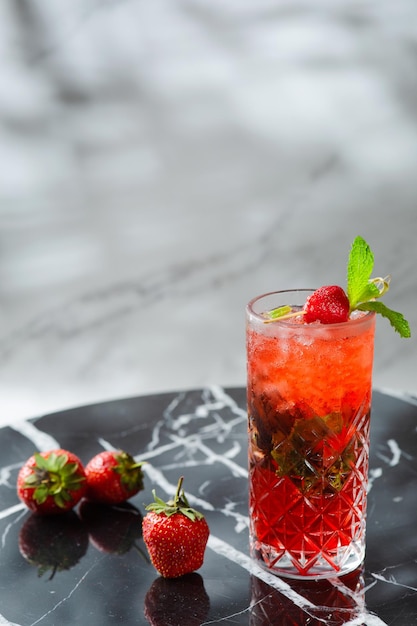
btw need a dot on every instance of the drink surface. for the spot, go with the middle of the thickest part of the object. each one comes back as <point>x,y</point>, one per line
<point>309,395</point>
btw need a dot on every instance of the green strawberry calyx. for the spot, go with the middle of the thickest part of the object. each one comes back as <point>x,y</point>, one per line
<point>54,477</point>
<point>130,472</point>
<point>179,504</point>
<point>363,291</point>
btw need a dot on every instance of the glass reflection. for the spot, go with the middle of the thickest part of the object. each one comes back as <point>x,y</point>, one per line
<point>334,602</point>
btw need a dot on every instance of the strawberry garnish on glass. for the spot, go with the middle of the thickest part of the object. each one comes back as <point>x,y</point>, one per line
<point>175,535</point>
<point>331,304</point>
<point>51,482</point>
<point>328,305</point>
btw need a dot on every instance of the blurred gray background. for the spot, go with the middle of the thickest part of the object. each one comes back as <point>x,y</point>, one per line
<point>163,161</point>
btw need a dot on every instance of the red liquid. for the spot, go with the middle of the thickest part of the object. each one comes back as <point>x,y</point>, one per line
<point>309,394</point>
<point>313,511</point>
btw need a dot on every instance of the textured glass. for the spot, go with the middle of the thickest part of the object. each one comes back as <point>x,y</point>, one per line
<point>309,393</point>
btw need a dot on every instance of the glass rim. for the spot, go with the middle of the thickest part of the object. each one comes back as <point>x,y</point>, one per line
<point>286,323</point>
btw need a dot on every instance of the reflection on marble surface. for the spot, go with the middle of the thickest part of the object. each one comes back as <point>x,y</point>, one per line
<point>162,162</point>
<point>202,436</point>
<point>324,601</point>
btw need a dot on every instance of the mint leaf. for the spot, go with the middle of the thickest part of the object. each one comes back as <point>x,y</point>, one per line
<point>369,292</point>
<point>359,270</point>
<point>397,320</point>
<point>362,290</point>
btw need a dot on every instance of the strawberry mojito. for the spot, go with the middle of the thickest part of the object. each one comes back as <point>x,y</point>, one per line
<point>309,360</point>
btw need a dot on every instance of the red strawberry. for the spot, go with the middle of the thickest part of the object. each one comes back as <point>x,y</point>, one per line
<point>113,477</point>
<point>328,305</point>
<point>175,535</point>
<point>179,602</point>
<point>51,482</point>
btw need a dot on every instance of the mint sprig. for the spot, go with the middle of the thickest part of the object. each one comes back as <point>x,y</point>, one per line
<point>397,320</point>
<point>363,291</point>
<point>359,270</point>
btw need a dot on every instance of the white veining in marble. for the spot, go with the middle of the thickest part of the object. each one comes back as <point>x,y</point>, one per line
<point>41,441</point>
<point>391,580</point>
<point>396,455</point>
<point>215,407</point>
<point>11,510</point>
<point>162,162</point>
<point>395,451</point>
<point>6,622</point>
<point>61,601</point>
<point>374,473</point>
<point>16,520</point>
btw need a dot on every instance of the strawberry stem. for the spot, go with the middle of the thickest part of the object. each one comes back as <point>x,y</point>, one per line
<point>177,496</point>
<point>179,504</point>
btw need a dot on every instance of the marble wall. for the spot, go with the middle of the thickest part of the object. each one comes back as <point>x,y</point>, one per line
<point>162,162</point>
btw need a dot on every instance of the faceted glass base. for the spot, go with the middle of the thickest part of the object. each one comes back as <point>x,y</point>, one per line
<point>307,502</point>
<point>338,562</point>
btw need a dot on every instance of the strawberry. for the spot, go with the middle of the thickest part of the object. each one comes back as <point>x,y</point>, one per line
<point>113,476</point>
<point>175,535</point>
<point>51,482</point>
<point>328,305</point>
<point>178,602</point>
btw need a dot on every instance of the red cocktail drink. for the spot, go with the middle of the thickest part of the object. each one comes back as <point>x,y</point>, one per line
<point>309,399</point>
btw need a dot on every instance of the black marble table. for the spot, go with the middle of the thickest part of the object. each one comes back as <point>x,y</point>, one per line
<point>200,434</point>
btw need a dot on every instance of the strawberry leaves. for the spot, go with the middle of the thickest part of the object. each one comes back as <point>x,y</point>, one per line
<point>54,476</point>
<point>51,482</point>
<point>113,476</point>
<point>178,505</point>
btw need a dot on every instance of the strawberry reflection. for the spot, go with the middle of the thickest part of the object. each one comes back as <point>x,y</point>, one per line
<point>112,529</point>
<point>177,601</point>
<point>334,602</point>
<point>53,543</point>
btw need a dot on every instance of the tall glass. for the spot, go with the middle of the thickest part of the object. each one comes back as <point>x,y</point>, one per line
<point>309,399</point>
